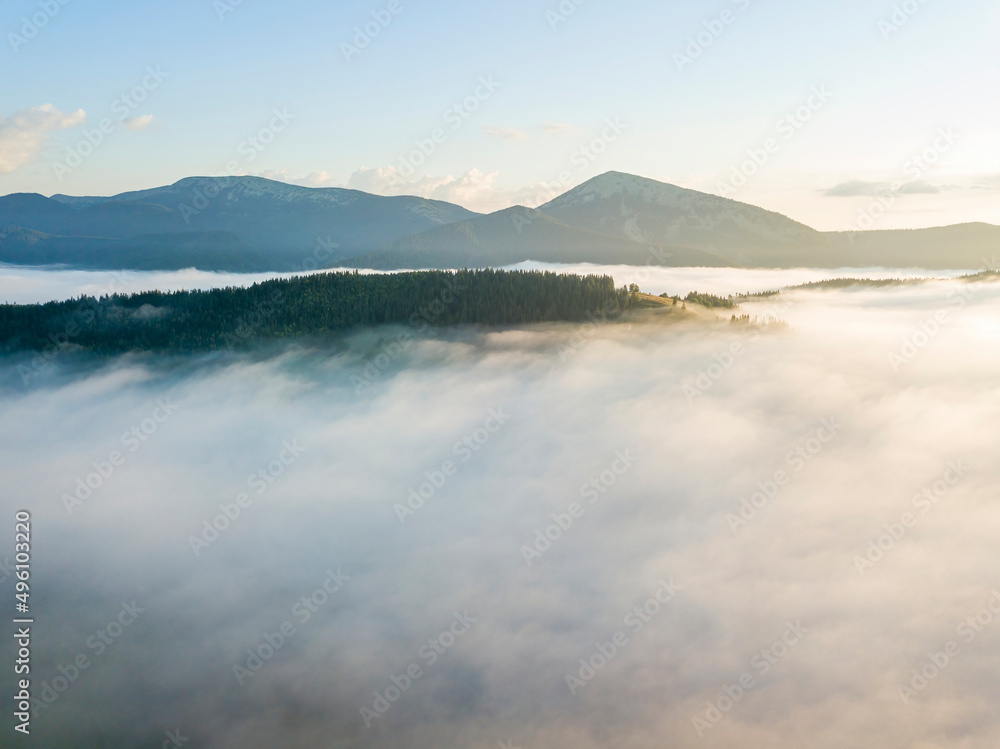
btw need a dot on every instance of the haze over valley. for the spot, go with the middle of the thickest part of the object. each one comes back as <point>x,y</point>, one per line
<point>707,413</point>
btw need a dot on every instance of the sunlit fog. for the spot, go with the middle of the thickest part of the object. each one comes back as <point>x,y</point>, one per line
<point>585,535</point>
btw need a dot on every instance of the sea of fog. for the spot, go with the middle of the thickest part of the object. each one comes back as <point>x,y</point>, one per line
<point>29,285</point>
<point>637,535</point>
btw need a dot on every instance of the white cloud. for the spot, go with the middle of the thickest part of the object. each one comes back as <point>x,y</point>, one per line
<point>321,178</point>
<point>475,190</point>
<point>853,188</point>
<point>378,180</point>
<point>278,175</point>
<point>137,124</point>
<point>919,187</point>
<point>504,133</point>
<point>24,134</point>
<point>559,128</point>
<point>987,182</point>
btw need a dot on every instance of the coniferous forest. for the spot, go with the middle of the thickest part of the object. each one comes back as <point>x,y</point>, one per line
<point>308,305</point>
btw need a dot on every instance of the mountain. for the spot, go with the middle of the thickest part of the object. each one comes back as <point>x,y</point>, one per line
<point>108,219</point>
<point>278,225</point>
<point>517,234</point>
<point>652,212</point>
<point>219,250</point>
<point>255,224</point>
<point>288,218</point>
<point>961,246</point>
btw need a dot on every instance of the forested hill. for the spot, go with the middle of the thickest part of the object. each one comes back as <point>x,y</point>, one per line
<point>309,305</point>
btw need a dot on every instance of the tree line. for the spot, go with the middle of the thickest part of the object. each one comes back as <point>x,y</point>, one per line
<point>318,304</point>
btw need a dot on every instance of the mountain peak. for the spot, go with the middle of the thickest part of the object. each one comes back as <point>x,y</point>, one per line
<point>611,184</point>
<point>644,210</point>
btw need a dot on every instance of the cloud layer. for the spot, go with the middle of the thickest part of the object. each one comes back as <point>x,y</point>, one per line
<point>749,471</point>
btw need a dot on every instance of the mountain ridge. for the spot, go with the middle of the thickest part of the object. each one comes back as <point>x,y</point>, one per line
<point>612,218</point>
<point>514,235</point>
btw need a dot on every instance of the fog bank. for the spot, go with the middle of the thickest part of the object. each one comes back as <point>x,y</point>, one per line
<point>751,539</point>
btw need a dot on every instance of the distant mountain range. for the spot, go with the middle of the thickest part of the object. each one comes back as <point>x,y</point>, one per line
<point>255,224</point>
<point>213,223</point>
<point>517,234</point>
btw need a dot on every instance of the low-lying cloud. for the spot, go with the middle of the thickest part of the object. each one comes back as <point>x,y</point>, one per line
<point>697,498</point>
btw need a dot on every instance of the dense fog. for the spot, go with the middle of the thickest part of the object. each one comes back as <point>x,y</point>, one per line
<point>646,534</point>
<point>33,285</point>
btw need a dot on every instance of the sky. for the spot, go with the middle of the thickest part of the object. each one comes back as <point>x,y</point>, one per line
<point>824,112</point>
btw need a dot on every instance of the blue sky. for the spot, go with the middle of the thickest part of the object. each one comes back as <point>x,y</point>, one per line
<point>556,73</point>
